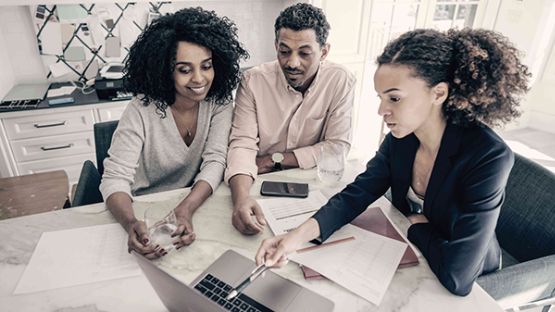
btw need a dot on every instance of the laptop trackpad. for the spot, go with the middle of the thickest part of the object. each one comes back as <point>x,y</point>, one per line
<point>273,291</point>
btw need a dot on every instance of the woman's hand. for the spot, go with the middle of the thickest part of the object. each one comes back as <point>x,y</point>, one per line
<point>417,218</point>
<point>139,241</point>
<point>184,235</point>
<point>273,251</point>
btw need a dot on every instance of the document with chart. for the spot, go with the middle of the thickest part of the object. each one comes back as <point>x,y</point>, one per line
<point>285,214</point>
<point>364,265</point>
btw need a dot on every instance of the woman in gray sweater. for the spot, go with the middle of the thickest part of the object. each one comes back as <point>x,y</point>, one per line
<point>174,133</point>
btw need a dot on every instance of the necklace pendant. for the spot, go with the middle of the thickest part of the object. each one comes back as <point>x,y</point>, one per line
<point>189,132</point>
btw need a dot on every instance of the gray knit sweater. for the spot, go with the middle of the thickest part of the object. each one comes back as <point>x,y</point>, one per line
<point>147,154</point>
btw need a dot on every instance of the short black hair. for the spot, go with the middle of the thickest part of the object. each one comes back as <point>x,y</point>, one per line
<point>151,61</point>
<point>482,68</point>
<point>303,16</point>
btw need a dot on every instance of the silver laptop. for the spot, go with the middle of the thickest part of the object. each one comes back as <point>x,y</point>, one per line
<point>208,291</point>
<point>27,92</point>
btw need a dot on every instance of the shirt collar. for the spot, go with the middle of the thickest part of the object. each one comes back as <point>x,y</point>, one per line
<point>288,87</point>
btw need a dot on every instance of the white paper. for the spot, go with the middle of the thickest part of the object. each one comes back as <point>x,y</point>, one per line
<point>60,91</point>
<point>364,265</point>
<point>285,214</point>
<point>76,257</point>
<point>71,13</point>
<point>95,30</point>
<point>59,69</point>
<point>51,38</point>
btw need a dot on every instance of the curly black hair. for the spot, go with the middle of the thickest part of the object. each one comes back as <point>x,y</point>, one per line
<point>482,68</point>
<point>150,64</point>
<point>303,16</point>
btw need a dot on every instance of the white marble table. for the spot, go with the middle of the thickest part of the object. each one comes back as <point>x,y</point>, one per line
<point>412,289</point>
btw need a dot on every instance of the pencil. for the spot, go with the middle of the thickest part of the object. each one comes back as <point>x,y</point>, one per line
<point>339,241</point>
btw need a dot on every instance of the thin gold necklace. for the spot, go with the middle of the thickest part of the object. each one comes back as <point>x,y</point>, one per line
<point>176,116</point>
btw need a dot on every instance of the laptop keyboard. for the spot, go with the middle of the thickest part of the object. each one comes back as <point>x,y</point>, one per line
<point>217,290</point>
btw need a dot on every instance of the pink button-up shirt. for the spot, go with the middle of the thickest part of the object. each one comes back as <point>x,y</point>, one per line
<point>270,116</point>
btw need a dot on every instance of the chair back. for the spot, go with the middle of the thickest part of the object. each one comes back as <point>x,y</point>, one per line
<point>86,191</point>
<point>526,226</point>
<point>103,132</point>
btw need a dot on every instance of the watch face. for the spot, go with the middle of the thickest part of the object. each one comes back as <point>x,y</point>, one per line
<point>277,157</point>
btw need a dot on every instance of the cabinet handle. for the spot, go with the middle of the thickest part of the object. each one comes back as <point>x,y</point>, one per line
<point>61,123</point>
<point>56,147</point>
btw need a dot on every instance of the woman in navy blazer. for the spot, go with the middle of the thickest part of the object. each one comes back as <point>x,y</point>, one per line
<point>446,168</point>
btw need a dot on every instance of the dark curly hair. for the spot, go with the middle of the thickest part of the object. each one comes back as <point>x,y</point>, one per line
<point>482,68</point>
<point>150,65</point>
<point>303,16</point>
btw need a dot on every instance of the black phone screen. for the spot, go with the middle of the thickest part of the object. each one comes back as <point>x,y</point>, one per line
<point>287,189</point>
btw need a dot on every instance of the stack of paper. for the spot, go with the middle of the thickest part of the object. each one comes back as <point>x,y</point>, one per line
<point>285,214</point>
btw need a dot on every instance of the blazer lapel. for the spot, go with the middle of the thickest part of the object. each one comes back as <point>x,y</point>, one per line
<point>449,146</point>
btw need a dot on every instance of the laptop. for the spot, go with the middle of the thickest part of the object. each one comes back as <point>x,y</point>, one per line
<point>24,96</point>
<point>208,291</point>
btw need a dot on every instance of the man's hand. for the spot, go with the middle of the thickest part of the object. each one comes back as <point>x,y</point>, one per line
<point>264,164</point>
<point>248,217</point>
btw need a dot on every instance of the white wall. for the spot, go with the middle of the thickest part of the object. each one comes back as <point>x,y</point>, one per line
<point>19,52</point>
<point>6,71</point>
<point>530,24</point>
<point>255,22</point>
<point>20,60</point>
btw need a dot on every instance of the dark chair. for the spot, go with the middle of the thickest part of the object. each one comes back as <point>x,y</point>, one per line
<point>526,233</point>
<point>87,191</point>
<point>103,133</point>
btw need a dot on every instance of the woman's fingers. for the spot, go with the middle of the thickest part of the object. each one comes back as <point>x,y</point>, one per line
<point>263,250</point>
<point>277,258</point>
<point>184,240</point>
<point>272,252</point>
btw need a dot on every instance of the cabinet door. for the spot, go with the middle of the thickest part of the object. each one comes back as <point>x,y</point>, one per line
<point>46,124</point>
<point>53,146</point>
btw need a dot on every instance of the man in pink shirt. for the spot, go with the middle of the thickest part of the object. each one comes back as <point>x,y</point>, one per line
<point>287,109</point>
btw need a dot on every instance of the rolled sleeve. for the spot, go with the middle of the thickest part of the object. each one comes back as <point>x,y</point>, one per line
<point>243,140</point>
<point>306,156</point>
<point>214,154</point>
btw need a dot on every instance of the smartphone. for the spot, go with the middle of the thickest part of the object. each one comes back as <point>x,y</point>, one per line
<point>286,189</point>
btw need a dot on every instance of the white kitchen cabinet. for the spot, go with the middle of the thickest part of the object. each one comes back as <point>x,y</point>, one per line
<point>50,139</point>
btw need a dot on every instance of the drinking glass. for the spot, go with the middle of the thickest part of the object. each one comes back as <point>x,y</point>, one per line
<point>160,227</point>
<point>331,164</point>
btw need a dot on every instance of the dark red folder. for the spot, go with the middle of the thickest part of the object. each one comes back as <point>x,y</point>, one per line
<point>374,220</point>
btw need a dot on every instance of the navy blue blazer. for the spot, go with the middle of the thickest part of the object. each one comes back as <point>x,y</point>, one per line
<point>462,202</point>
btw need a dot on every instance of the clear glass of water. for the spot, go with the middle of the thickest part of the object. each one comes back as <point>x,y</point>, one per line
<point>331,164</point>
<point>160,227</point>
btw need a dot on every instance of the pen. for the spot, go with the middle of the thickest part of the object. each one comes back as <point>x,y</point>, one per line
<point>254,275</point>
<point>261,268</point>
<point>325,244</point>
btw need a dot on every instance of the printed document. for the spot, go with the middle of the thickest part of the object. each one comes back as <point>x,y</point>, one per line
<point>364,265</point>
<point>284,214</point>
<point>78,256</point>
